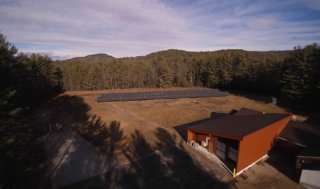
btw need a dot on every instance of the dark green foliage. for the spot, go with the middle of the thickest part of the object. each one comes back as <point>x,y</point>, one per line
<point>293,74</point>
<point>301,76</point>
<point>174,68</point>
<point>25,81</point>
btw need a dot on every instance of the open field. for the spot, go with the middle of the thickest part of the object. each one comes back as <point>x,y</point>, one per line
<point>173,112</point>
<point>145,150</point>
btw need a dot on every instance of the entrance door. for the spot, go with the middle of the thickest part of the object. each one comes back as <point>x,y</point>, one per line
<point>210,147</point>
<point>233,154</point>
<point>212,144</point>
<point>221,150</point>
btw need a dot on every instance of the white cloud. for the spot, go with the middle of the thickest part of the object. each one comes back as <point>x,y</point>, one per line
<point>137,27</point>
<point>93,24</point>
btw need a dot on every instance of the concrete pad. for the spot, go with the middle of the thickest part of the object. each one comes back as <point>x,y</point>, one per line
<point>72,158</point>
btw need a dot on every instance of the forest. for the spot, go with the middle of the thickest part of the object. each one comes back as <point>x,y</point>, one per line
<point>173,68</point>
<point>293,75</point>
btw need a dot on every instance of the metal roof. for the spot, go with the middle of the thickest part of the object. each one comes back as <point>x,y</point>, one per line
<point>239,126</point>
<point>305,135</point>
<point>246,111</point>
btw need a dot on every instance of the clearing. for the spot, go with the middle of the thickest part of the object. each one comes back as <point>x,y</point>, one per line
<point>143,148</point>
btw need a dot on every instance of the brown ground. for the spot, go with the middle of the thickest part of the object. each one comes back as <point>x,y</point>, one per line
<point>97,92</point>
<point>173,112</point>
<point>153,121</point>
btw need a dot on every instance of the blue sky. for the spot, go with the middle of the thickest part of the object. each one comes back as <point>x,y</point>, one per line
<point>68,28</point>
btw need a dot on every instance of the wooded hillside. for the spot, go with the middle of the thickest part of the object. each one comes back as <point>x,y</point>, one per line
<point>294,74</point>
<point>176,68</point>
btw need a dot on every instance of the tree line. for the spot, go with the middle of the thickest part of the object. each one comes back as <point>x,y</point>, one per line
<point>25,79</point>
<point>171,68</point>
<point>292,74</point>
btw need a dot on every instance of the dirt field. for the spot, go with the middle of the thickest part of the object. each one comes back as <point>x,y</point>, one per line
<point>147,127</point>
<point>169,113</point>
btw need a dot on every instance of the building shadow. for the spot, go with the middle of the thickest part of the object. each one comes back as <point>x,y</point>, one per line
<point>305,141</point>
<point>284,163</point>
<point>313,121</point>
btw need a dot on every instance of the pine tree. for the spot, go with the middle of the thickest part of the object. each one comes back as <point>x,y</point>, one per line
<point>300,78</point>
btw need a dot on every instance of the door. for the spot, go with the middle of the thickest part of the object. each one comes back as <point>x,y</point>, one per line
<point>210,147</point>
<point>232,154</point>
<point>212,144</point>
<point>221,150</point>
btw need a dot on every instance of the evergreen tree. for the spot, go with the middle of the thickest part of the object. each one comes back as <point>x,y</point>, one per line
<point>300,78</point>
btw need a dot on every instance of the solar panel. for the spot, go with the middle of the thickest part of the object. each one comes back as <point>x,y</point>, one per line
<point>153,95</point>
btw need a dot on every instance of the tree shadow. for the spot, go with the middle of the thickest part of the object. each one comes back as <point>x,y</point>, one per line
<point>282,101</point>
<point>82,160</point>
<point>70,111</point>
<point>48,156</point>
<point>143,167</point>
<point>107,138</point>
<point>289,105</point>
<point>85,147</point>
<point>166,164</point>
<point>251,95</point>
<point>145,164</point>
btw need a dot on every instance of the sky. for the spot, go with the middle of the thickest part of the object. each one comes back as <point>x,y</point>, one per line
<point>121,28</point>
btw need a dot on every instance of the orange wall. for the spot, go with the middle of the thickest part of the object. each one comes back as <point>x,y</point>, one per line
<point>199,137</point>
<point>202,137</point>
<point>258,144</point>
<point>191,135</point>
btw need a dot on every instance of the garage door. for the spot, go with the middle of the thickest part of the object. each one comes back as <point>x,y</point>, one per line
<point>232,154</point>
<point>221,150</point>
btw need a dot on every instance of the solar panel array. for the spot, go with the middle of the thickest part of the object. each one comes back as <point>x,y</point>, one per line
<point>153,95</point>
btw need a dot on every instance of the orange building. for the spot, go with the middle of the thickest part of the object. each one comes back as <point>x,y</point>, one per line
<point>241,139</point>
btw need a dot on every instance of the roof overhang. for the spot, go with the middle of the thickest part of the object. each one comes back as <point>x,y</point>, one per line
<point>215,134</point>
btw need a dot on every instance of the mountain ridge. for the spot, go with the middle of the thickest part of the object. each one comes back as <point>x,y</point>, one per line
<point>167,52</point>
<point>92,57</point>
